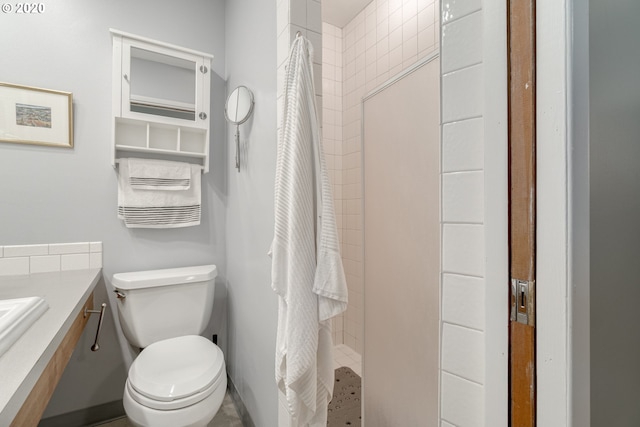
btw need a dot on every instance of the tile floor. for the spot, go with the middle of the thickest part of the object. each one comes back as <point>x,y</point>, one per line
<point>227,416</point>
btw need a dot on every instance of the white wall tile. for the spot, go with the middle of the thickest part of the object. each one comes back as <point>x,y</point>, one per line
<point>409,51</point>
<point>282,16</point>
<point>463,197</point>
<point>462,94</point>
<point>463,145</point>
<point>69,248</point>
<point>426,17</point>
<point>463,352</point>
<point>314,20</point>
<point>25,250</point>
<point>317,77</point>
<point>14,266</point>
<point>298,13</point>
<point>409,9</point>
<point>316,42</point>
<point>463,300</point>
<point>394,5</point>
<point>283,42</point>
<point>462,43</point>
<point>463,296</point>
<point>74,261</point>
<point>409,28</point>
<point>455,9</point>
<point>45,264</point>
<point>427,39</point>
<point>95,260</point>
<point>463,249</point>
<point>462,401</point>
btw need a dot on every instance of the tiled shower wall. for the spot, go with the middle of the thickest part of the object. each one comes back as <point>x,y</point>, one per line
<point>463,229</point>
<point>369,57</point>
<point>332,131</point>
<point>381,41</point>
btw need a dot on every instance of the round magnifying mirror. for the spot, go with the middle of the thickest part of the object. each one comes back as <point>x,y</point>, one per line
<point>238,110</point>
<point>239,105</point>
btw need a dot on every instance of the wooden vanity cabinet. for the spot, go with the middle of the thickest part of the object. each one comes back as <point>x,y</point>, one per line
<point>32,409</point>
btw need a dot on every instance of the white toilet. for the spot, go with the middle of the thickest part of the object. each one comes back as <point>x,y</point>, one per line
<point>179,379</point>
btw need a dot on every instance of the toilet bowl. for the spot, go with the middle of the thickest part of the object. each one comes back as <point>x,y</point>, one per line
<point>176,382</point>
<point>179,378</point>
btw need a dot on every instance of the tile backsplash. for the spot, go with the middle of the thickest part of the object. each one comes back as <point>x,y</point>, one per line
<point>45,258</point>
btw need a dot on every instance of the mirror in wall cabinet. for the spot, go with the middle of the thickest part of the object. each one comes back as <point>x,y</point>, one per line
<point>162,85</point>
<point>237,111</point>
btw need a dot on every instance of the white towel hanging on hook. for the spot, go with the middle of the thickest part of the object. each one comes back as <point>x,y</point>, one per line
<point>307,271</point>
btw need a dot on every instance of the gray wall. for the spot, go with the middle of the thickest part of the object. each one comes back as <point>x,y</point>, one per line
<point>251,61</point>
<point>614,62</point>
<point>579,267</point>
<point>52,195</point>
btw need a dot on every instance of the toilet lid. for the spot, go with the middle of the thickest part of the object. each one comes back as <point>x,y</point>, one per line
<point>176,368</point>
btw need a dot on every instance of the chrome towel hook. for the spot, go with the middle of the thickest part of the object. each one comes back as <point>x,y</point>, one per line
<point>87,312</point>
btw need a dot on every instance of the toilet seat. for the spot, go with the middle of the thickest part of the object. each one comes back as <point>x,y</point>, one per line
<point>175,373</point>
<point>174,404</point>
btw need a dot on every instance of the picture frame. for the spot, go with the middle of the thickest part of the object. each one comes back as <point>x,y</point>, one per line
<point>31,115</point>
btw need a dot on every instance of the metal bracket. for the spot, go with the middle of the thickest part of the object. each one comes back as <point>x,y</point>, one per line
<point>87,312</point>
<point>523,302</point>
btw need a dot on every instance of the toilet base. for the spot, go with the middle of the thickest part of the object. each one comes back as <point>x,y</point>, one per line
<point>196,415</point>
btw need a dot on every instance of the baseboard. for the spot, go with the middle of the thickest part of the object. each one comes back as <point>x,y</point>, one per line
<point>237,400</point>
<point>86,417</point>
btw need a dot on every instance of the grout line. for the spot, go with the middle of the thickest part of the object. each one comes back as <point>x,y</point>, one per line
<point>463,119</point>
<point>461,171</point>
<point>477,276</point>
<point>461,17</point>
<point>463,378</point>
<point>459,325</point>
<point>457,70</point>
<point>463,275</point>
<point>462,222</point>
<point>448,422</point>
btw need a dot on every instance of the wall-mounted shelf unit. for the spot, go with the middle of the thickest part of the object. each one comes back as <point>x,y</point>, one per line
<point>161,95</point>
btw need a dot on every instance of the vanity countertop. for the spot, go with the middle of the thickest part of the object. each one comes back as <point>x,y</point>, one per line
<point>26,359</point>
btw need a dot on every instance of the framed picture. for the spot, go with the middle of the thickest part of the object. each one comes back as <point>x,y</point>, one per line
<point>30,115</point>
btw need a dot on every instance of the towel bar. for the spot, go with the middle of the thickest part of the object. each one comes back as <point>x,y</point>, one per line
<point>117,161</point>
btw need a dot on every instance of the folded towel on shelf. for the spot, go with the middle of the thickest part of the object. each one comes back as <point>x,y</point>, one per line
<point>149,174</point>
<point>158,208</point>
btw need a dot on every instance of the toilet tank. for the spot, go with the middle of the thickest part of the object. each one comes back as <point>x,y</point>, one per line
<point>159,304</point>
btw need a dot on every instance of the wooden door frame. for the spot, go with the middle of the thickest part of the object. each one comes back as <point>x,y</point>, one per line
<point>521,30</point>
<point>562,358</point>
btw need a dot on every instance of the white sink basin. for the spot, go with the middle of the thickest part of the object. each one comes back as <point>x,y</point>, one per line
<point>16,316</point>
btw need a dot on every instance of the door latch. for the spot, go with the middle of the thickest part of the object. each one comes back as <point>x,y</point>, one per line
<point>523,301</point>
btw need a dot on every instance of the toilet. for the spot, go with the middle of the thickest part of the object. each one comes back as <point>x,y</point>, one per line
<point>179,378</point>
